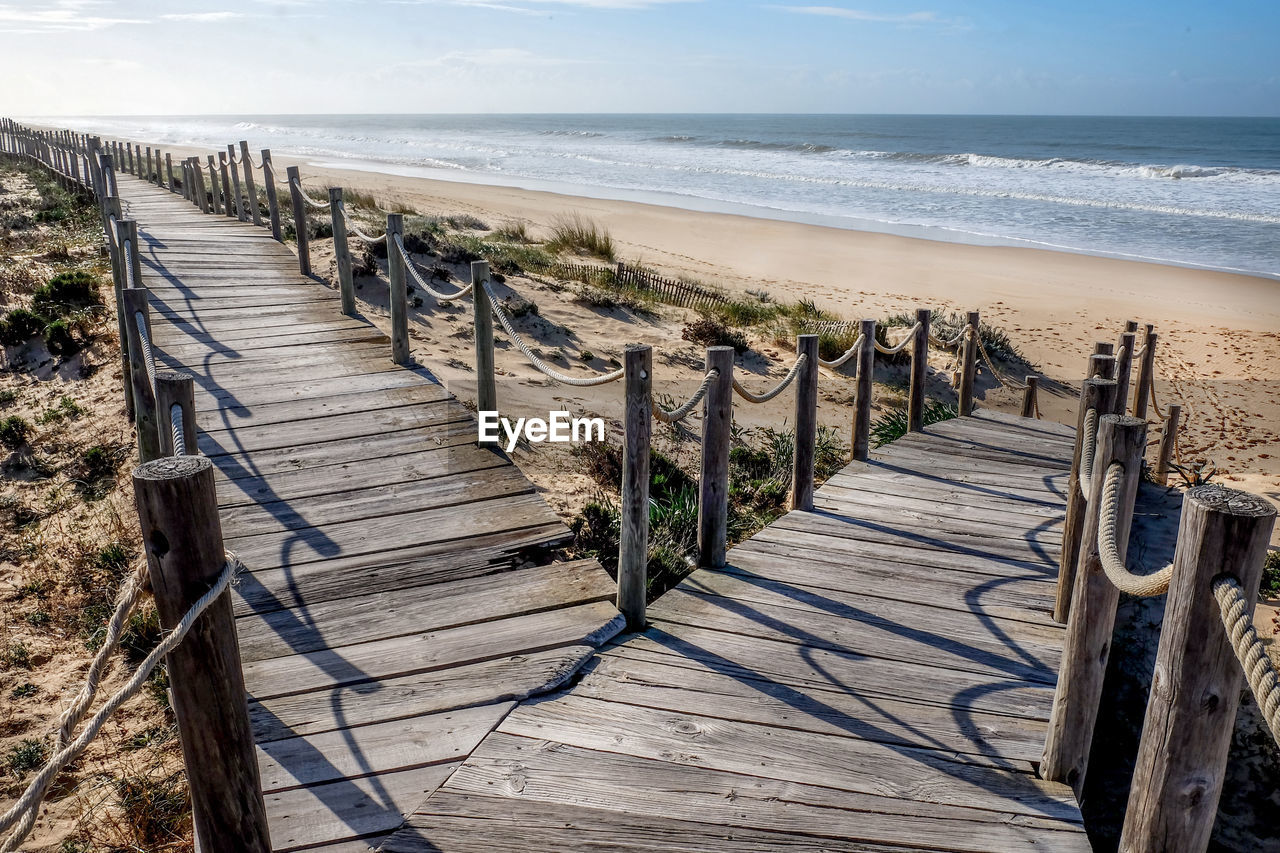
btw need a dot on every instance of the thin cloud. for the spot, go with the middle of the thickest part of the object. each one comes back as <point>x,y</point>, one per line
<point>863,15</point>
<point>204,17</point>
<point>541,7</point>
<point>60,16</point>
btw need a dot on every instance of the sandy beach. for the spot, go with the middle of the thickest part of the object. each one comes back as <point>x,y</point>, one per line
<point>1219,333</point>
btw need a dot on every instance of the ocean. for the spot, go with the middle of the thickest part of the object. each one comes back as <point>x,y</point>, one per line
<point>1191,191</point>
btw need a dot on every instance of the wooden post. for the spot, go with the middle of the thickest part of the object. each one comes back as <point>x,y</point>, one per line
<point>1029,402</point>
<point>1124,371</point>
<point>168,168</point>
<point>486,387</point>
<point>1146,374</point>
<point>1195,690</point>
<point>300,222</point>
<point>1104,348</point>
<point>231,205</point>
<point>713,479</point>
<point>250,190</point>
<point>186,180</point>
<point>969,365</point>
<point>1098,394</point>
<point>806,421</point>
<point>150,176</point>
<point>1168,438</point>
<point>862,391</point>
<point>144,399</point>
<point>633,546</point>
<point>176,389</point>
<point>129,167</point>
<point>178,510</point>
<point>217,192</point>
<point>1102,366</point>
<point>235,182</point>
<point>342,252</point>
<point>1093,610</point>
<point>118,281</point>
<point>398,298</point>
<point>273,201</point>
<point>919,372</point>
<point>202,195</point>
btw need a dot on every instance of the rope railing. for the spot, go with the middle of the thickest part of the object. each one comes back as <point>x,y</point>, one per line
<point>302,193</point>
<point>140,322</point>
<point>1088,450</point>
<point>177,431</point>
<point>352,228</point>
<point>126,251</point>
<point>21,816</point>
<point>679,413</point>
<point>1003,381</point>
<point>1141,586</point>
<point>840,360</point>
<point>542,366</point>
<point>1259,671</point>
<point>412,266</point>
<point>954,342</point>
<point>775,390</point>
<point>901,345</point>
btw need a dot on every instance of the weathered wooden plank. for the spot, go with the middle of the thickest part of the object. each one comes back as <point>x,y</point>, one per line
<point>852,764</point>
<point>984,739</point>
<point>390,535</point>
<point>432,562</point>
<point>301,513</point>
<point>382,615</point>
<point>408,467</point>
<point>354,401</point>
<point>527,769</point>
<point>377,748</point>
<point>850,631</point>
<point>349,809</point>
<point>586,624</point>
<point>463,823</point>
<point>860,674</point>
<point>500,679</point>
<point>270,436</point>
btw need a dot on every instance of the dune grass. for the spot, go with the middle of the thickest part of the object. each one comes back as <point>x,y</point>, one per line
<point>576,233</point>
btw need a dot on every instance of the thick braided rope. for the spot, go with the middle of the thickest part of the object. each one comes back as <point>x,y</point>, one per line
<point>954,342</point>
<point>1126,581</point>
<point>112,232</point>
<point>352,228</point>
<point>1259,671</point>
<point>679,413</point>
<point>1155,404</point>
<point>126,601</point>
<point>845,356</point>
<point>319,205</point>
<point>141,323</point>
<point>422,282</point>
<point>902,344</point>
<point>126,250</point>
<point>775,390</point>
<point>23,812</point>
<point>1088,450</point>
<point>542,366</point>
<point>177,431</point>
<point>1004,381</point>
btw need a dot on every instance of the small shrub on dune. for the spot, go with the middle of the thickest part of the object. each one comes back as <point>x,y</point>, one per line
<point>745,312</point>
<point>514,232</point>
<point>61,340</point>
<point>14,431</point>
<point>19,326</point>
<point>66,292</point>
<point>465,222</point>
<point>892,425</point>
<point>711,332</point>
<point>576,233</point>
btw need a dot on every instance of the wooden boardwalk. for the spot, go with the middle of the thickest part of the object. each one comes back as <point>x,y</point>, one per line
<point>399,599</point>
<point>873,675</point>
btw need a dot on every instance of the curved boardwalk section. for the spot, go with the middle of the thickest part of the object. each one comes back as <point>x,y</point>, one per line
<point>397,603</point>
<point>873,675</point>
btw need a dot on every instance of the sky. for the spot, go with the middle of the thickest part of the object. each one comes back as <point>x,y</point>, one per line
<point>255,57</point>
